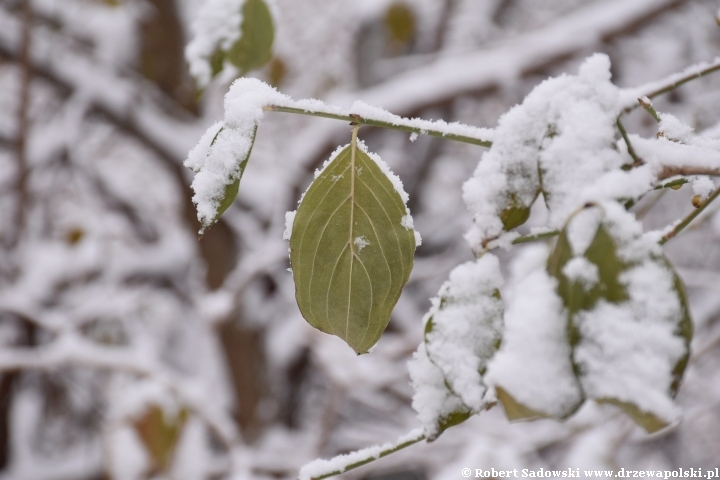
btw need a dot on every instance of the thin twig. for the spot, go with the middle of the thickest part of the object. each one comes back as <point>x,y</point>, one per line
<point>535,236</point>
<point>373,454</point>
<point>686,221</point>
<point>683,80</point>
<point>648,106</point>
<point>637,161</point>
<point>352,118</point>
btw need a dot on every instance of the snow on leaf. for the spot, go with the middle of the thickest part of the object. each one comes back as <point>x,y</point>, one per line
<point>339,290</point>
<point>559,140</point>
<point>437,407</point>
<point>532,372</point>
<point>630,331</point>
<point>462,332</point>
<point>220,157</point>
<point>240,31</point>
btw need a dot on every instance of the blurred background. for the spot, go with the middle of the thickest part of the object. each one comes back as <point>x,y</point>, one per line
<point>130,349</point>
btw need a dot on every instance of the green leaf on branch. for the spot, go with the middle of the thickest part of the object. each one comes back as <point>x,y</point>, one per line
<point>515,214</point>
<point>602,252</point>
<point>254,47</point>
<point>463,331</point>
<point>350,252</point>
<point>231,189</point>
<point>602,305</point>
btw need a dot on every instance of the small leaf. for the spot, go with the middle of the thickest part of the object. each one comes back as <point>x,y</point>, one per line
<point>515,214</point>
<point>276,72</point>
<point>400,23</point>
<point>464,328</point>
<point>160,435</point>
<point>231,189</point>
<point>254,47</point>
<point>684,328</point>
<point>350,253</point>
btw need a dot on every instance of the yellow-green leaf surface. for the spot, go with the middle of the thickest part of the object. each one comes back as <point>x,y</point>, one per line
<point>350,253</point>
<point>254,47</point>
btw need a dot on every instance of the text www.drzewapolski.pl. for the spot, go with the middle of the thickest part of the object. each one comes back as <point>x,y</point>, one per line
<point>707,474</point>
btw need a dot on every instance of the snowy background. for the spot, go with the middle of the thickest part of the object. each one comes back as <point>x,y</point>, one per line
<point>110,307</point>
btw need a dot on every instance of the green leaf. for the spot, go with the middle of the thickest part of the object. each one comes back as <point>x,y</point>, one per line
<point>612,287</point>
<point>515,214</point>
<point>254,47</point>
<point>231,189</point>
<point>160,435</point>
<point>602,252</point>
<point>684,328</point>
<point>400,23</point>
<point>350,253</point>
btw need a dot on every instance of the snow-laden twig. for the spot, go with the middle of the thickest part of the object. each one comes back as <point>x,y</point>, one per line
<point>535,236</point>
<point>377,117</point>
<point>320,469</point>
<point>667,84</point>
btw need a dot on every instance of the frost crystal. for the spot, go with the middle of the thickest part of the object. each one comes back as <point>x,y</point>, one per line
<point>361,242</point>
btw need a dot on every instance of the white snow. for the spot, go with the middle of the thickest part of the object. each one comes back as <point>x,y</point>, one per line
<point>628,350</point>
<point>432,400</point>
<point>580,270</point>
<point>217,159</point>
<point>561,138</point>
<point>466,324</point>
<point>533,364</point>
<point>703,186</point>
<point>361,242</point>
<point>217,25</point>
<point>289,221</point>
<point>340,463</point>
